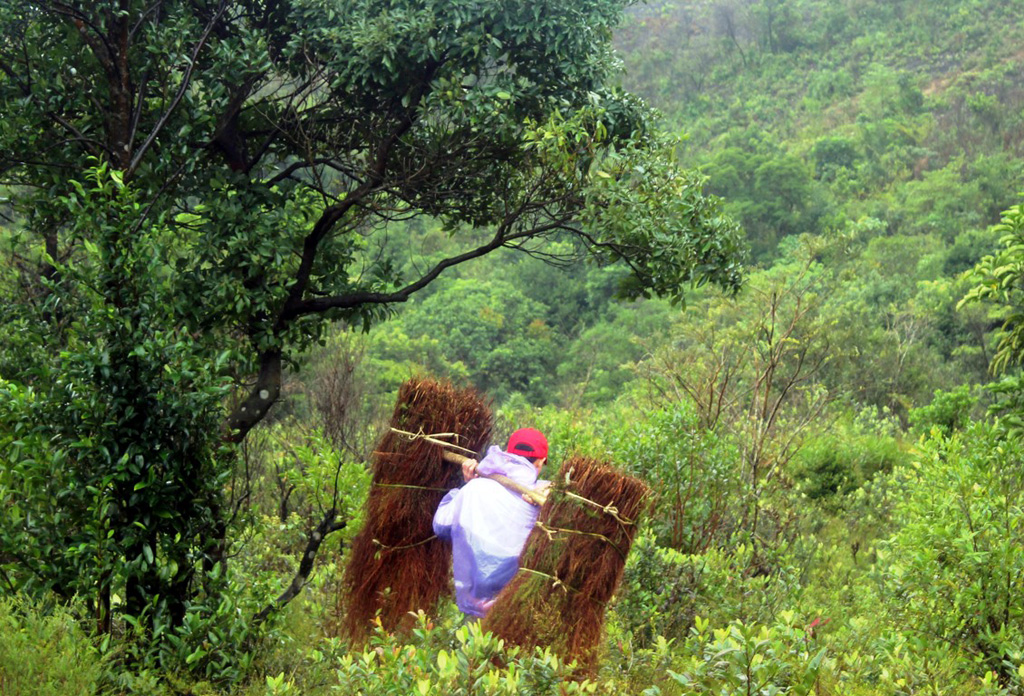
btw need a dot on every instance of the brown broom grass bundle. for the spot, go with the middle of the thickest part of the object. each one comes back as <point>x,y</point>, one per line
<point>396,564</point>
<point>572,563</point>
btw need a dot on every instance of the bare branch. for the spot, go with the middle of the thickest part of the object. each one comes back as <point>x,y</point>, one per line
<point>330,523</point>
<point>354,300</point>
<point>185,82</point>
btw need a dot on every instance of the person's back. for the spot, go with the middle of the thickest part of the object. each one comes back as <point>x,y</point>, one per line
<point>488,524</point>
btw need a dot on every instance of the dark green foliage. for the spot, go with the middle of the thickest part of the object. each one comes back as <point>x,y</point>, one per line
<point>111,452</point>
<point>832,155</point>
<point>573,293</point>
<point>599,364</point>
<point>826,86</point>
<point>968,249</point>
<point>493,334</point>
<point>773,195</point>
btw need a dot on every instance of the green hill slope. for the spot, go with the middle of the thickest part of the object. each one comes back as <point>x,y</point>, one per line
<point>808,114</point>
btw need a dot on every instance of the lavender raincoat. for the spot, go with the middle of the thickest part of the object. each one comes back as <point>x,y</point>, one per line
<point>487,525</point>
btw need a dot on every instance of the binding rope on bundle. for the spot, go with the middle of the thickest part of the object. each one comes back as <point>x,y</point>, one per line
<point>434,438</point>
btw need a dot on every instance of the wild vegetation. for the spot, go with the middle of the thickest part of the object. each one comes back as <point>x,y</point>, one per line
<point>232,233</point>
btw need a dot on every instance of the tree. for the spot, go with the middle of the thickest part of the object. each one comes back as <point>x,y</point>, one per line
<point>492,332</point>
<point>998,281</point>
<point>772,193</point>
<point>750,366</point>
<point>198,187</point>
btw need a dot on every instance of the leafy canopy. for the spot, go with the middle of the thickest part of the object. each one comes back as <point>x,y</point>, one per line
<point>195,188</point>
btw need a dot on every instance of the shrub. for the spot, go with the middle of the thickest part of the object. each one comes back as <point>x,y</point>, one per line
<point>692,470</point>
<point>949,411</point>
<point>955,570</point>
<point>664,590</point>
<point>43,652</point>
<point>751,659</point>
<point>832,154</point>
<point>474,664</point>
<point>840,461</point>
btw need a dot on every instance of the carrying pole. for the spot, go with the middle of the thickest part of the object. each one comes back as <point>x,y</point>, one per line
<point>536,497</point>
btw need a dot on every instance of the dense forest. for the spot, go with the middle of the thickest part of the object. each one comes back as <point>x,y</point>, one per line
<point>766,255</point>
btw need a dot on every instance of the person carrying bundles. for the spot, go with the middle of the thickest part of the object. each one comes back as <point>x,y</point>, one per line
<point>487,523</point>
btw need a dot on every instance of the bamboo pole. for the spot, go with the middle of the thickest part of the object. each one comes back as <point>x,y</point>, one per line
<point>536,497</point>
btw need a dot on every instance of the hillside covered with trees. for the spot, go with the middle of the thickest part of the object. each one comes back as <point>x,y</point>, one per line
<point>766,255</point>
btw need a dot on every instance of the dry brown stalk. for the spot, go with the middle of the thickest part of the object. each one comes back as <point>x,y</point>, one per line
<point>572,563</point>
<point>396,566</point>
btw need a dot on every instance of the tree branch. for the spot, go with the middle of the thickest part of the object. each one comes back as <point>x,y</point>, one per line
<point>99,44</point>
<point>353,300</point>
<point>375,179</point>
<point>297,166</point>
<point>14,77</point>
<point>185,82</point>
<point>328,524</point>
<point>262,396</point>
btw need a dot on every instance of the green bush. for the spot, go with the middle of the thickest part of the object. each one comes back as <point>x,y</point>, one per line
<point>949,411</point>
<point>664,590</point>
<point>843,459</point>
<point>954,572</point>
<point>474,664</point>
<point>751,659</point>
<point>692,470</point>
<point>43,652</point>
<point>658,594</point>
<point>876,659</point>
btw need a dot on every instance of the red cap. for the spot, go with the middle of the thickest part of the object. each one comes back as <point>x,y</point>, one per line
<point>528,442</point>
